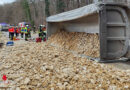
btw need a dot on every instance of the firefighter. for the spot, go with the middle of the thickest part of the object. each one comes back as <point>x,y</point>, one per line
<point>17,31</point>
<point>44,33</point>
<point>22,32</point>
<point>29,31</point>
<point>26,33</point>
<point>40,31</point>
<point>11,32</point>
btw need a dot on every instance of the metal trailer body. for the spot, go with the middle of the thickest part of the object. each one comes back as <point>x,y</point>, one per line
<point>110,20</point>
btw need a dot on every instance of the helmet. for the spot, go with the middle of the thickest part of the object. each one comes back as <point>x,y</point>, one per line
<point>43,25</point>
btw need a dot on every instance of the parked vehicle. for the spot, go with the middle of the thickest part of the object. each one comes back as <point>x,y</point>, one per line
<point>23,24</point>
<point>4,26</point>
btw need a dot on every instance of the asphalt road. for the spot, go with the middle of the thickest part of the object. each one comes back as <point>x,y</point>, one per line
<point>121,65</point>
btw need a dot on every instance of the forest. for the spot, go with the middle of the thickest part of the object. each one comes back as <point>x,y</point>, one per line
<point>36,11</point>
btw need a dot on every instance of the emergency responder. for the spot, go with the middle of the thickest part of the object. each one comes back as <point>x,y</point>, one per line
<point>29,31</point>
<point>11,32</point>
<point>26,33</point>
<point>44,33</point>
<point>16,31</point>
<point>40,31</point>
<point>22,32</point>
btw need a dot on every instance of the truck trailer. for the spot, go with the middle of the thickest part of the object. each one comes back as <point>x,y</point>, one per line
<point>110,19</point>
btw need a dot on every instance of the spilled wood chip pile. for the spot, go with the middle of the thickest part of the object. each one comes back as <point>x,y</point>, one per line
<point>40,66</point>
<point>82,43</point>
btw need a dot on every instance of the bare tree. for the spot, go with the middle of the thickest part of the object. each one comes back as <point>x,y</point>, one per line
<point>14,13</point>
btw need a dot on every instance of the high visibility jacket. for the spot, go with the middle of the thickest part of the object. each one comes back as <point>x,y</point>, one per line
<point>9,29</point>
<point>45,31</point>
<point>39,31</point>
<point>22,30</point>
<point>12,30</point>
<point>25,30</point>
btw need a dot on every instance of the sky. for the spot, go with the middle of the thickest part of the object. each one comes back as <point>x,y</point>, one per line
<point>5,1</point>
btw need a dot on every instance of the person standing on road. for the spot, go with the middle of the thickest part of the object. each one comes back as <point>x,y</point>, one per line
<point>44,33</point>
<point>16,31</point>
<point>22,32</point>
<point>19,30</point>
<point>29,31</point>
<point>11,33</point>
<point>26,33</point>
<point>40,31</point>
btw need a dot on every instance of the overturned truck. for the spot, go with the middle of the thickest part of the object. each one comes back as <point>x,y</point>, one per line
<point>110,20</point>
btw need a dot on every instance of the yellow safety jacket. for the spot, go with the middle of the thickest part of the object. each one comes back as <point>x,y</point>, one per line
<point>22,30</point>
<point>25,30</point>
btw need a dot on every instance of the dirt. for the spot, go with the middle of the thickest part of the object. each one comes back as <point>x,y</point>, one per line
<point>121,65</point>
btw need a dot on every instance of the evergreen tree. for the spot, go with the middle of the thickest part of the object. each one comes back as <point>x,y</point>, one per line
<point>47,8</point>
<point>27,11</point>
<point>60,6</point>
